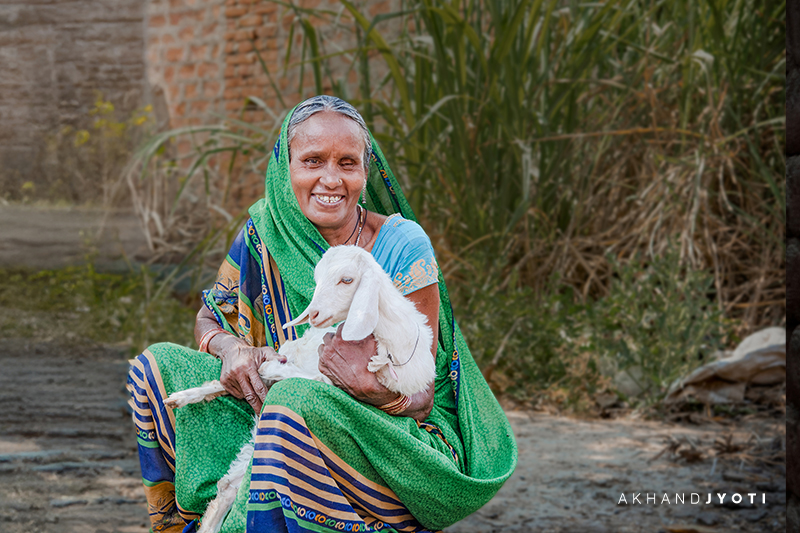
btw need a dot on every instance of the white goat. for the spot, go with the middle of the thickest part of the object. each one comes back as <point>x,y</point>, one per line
<point>351,286</point>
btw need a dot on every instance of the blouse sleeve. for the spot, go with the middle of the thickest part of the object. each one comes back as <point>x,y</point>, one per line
<point>408,255</point>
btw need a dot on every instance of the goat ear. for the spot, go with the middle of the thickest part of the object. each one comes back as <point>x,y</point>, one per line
<point>302,319</point>
<point>363,314</point>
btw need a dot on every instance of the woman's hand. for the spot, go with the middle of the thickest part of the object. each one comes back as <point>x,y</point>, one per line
<point>240,362</point>
<point>345,364</point>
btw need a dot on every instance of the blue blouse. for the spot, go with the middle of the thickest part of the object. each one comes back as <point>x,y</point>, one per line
<point>405,252</point>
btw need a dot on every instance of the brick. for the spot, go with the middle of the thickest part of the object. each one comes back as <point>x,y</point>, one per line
<point>251,89</point>
<point>174,54</point>
<point>157,21</point>
<point>230,36</point>
<point>184,147</point>
<point>245,35</point>
<point>215,51</point>
<point>200,106</point>
<point>245,71</point>
<point>174,92</point>
<point>186,34</point>
<point>245,46</point>
<point>209,29</point>
<point>378,8</point>
<point>269,56</point>
<point>198,52</point>
<point>211,89</point>
<point>232,12</point>
<point>190,91</point>
<point>215,11</point>
<point>207,70</point>
<point>169,75</point>
<point>230,3</point>
<point>230,71</point>
<point>232,93</point>
<point>240,59</point>
<point>266,9</point>
<point>167,39</point>
<point>230,47</point>
<point>268,31</point>
<point>186,71</point>
<point>250,20</point>
<point>233,105</point>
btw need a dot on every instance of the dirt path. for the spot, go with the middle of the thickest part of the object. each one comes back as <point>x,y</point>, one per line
<point>68,461</point>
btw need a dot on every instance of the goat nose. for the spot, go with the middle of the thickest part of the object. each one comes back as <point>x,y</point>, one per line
<point>312,316</point>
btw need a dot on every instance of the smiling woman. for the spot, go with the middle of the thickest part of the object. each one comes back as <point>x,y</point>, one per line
<point>351,456</point>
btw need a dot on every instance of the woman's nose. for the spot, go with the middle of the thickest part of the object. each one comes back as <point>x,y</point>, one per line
<point>329,178</point>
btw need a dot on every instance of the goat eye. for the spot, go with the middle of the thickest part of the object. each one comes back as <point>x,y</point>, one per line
<point>346,281</point>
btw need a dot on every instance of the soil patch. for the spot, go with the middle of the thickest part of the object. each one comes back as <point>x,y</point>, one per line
<point>68,460</point>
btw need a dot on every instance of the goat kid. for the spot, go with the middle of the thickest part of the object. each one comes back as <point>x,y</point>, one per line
<point>350,286</point>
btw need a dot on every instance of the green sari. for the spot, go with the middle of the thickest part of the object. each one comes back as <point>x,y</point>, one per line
<point>323,461</point>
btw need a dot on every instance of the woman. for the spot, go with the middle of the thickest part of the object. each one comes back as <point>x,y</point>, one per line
<point>349,457</point>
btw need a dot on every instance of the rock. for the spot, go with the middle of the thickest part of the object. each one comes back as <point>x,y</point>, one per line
<point>707,518</point>
<point>755,516</point>
<point>66,502</point>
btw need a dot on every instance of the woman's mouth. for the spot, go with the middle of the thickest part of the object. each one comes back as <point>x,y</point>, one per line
<point>329,199</point>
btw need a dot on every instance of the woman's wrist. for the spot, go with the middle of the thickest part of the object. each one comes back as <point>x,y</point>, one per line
<point>396,406</point>
<point>222,345</point>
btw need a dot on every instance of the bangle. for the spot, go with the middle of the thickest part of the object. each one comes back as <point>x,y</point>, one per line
<point>206,338</point>
<point>397,406</point>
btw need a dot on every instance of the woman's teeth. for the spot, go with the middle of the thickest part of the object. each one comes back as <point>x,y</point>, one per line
<point>329,199</point>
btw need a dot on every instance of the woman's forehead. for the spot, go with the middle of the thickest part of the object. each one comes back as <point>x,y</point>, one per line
<point>325,129</point>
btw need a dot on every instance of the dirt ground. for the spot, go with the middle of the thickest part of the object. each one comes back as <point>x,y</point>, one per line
<point>68,461</point>
<point>68,456</point>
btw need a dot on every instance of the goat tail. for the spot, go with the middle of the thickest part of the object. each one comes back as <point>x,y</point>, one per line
<point>228,487</point>
<point>205,392</point>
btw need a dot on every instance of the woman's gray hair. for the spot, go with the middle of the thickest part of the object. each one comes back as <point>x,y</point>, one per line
<point>323,102</point>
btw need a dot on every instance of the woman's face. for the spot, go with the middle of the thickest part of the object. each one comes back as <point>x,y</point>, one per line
<point>327,169</point>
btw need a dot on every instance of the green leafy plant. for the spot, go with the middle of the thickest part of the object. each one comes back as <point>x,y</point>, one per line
<point>553,150</point>
<point>79,304</point>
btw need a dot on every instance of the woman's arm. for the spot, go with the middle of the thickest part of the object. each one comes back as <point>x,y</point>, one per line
<point>351,375</point>
<point>240,361</point>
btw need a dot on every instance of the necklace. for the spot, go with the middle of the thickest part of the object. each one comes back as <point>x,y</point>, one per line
<point>361,222</point>
<point>391,359</point>
<point>358,220</point>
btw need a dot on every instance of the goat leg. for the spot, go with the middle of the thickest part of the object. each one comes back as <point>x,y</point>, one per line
<point>205,392</point>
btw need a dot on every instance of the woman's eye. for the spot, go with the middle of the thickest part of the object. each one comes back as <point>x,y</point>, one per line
<point>346,281</point>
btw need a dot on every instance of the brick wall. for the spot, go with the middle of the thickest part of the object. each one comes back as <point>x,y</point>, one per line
<point>184,57</point>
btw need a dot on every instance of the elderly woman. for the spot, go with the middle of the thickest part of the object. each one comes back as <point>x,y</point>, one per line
<point>349,457</point>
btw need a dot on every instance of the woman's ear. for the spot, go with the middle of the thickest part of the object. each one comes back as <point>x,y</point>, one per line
<point>363,315</point>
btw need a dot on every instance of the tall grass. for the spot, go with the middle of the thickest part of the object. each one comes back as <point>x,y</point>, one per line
<point>541,138</point>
